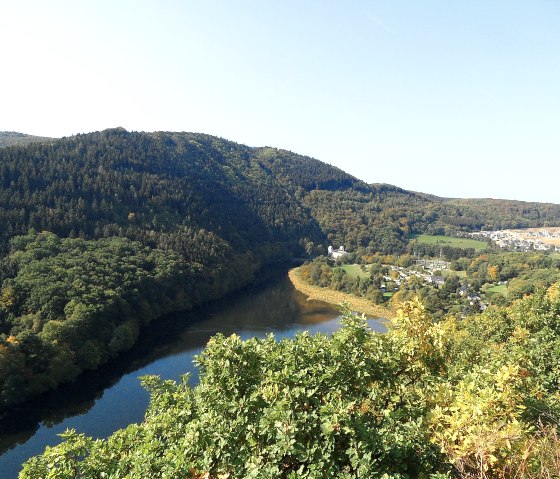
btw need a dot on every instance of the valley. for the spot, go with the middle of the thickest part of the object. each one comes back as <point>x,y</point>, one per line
<point>105,233</point>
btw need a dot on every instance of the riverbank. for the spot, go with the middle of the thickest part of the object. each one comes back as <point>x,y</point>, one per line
<point>111,397</point>
<point>360,305</point>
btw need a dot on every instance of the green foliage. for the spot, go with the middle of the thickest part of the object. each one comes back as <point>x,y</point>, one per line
<point>347,278</point>
<point>147,186</point>
<point>478,421</point>
<point>311,407</point>
<point>525,273</point>
<point>69,304</point>
<point>502,397</point>
<point>471,398</point>
<point>490,214</point>
<point>162,221</point>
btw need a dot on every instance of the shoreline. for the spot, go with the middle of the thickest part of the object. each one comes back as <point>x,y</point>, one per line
<point>360,305</point>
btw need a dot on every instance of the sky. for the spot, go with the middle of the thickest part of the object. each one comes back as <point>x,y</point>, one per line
<point>454,98</point>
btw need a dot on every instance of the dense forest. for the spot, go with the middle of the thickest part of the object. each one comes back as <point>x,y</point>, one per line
<point>68,305</point>
<point>104,232</point>
<point>93,224</point>
<point>146,186</point>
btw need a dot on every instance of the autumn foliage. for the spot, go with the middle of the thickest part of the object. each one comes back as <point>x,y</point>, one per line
<point>475,399</point>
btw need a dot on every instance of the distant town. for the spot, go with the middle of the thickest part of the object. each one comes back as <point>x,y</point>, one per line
<point>476,295</point>
<point>531,239</point>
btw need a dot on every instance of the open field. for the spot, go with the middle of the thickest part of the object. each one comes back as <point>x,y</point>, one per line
<point>451,241</point>
<point>354,270</point>
<point>498,289</point>
<point>361,305</point>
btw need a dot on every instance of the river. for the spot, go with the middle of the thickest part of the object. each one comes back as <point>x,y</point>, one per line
<point>100,402</point>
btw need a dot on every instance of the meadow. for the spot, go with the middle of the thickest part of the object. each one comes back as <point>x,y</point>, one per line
<point>452,241</point>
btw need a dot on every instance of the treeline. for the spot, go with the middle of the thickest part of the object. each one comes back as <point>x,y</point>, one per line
<point>137,185</point>
<point>472,398</point>
<point>449,253</point>
<point>491,214</point>
<point>380,218</point>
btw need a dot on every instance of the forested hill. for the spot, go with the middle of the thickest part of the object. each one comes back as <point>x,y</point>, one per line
<point>157,188</point>
<point>162,188</point>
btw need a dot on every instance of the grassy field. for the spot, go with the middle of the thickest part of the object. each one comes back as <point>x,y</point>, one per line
<point>451,241</point>
<point>498,289</point>
<point>354,270</point>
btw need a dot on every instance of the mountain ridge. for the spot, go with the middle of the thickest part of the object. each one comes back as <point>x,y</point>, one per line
<point>195,177</point>
<point>13,138</point>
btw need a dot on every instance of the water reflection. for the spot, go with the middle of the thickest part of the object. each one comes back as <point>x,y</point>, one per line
<point>110,398</point>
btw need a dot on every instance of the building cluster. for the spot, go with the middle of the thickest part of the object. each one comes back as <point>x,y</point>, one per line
<point>433,264</point>
<point>526,240</point>
<point>437,280</point>
<point>424,269</point>
<point>406,273</point>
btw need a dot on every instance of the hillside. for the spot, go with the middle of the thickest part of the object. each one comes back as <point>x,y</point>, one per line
<point>150,186</point>
<point>486,213</point>
<point>140,224</point>
<point>13,138</point>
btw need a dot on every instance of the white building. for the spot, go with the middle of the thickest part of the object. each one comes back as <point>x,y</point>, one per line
<point>337,253</point>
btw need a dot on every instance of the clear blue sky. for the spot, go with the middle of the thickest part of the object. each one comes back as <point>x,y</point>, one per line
<point>453,98</point>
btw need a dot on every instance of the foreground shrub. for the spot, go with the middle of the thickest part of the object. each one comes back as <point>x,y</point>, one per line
<point>472,399</point>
